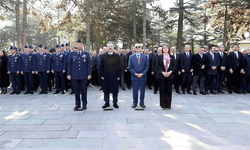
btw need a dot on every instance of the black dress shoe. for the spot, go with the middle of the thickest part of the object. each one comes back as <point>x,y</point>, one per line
<point>143,106</point>
<point>12,93</point>
<point>84,107</point>
<point>101,89</point>
<point>230,91</point>
<point>155,92</point>
<point>150,88</point>
<point>178,92</point>
<point>71,93</point>
<point>17,93</point>
<point>221,92</point>
<point>123,89</point>
<point>134,105</point>
<point>129,88</point>
<point>189,92</point>
<point>115,105</point>
<point>183,92</point>
<point>194,93</point>
<point>26,93</point>
<point>62,92</point>
<point>244,92</point>
<point>106,105</point>
<point>168,107</point>
<point>206,92</point>
<point>41,92</point>
<point>212,92</point>
<point>203,93</point>
<point>31,92</point>
<point>45,92</point>
<point>76,107</point>
<point>56,92</point>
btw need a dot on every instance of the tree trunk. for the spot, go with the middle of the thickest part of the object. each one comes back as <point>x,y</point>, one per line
<point>24,22</point>
<point>225,27</point>
<point>18,26</point>
<point>88,25</point>
<point>135,22</point>
<point>180,26</point>
<point>144,23</point>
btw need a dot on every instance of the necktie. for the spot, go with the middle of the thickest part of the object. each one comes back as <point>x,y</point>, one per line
<point>174,56</point>
<point>237,55</point>
<point>222,55</point>
<point>187,55</point>
<point>79,53</point>
<point>212,56</point>
<point>166,66</point>
<point>138,60</point>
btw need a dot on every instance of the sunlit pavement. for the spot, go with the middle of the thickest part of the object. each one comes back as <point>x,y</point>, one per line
<point>41,122</point>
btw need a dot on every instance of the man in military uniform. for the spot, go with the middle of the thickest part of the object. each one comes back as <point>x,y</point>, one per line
<point>35,76</point>
<point>42,69</point>
<point>14,68</point>
<point>50,74</point>
<point>27,69</point>
<point>58,67</point>
<point>79,70</point>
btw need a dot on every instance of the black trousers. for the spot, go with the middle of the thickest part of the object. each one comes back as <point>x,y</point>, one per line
<point>165,93</point>
<point>177,81</point>
<point>184,76</point>
<point>235,80</point>
<point>156,83</point>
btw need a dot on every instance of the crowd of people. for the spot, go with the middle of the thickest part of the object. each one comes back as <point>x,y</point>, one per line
<point>214,69</point>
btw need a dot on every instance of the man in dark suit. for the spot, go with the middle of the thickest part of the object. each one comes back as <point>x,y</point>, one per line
<point>93,67</point>
<point>123,63</point>
<point>186,69</point>
<point>246,71</point>
<point>98,67</point>
<point>200,62</point>
<point>110,70</point>
<point>213,64</point>
<point>222,68</point>
<point>138,67</point>
<point>68,83</point>
<point>150,77</point>
<point>79,70</point>
<point>154,69</point>
<point>177,73</point>
<point>128,76</point>
<point>234,66</point>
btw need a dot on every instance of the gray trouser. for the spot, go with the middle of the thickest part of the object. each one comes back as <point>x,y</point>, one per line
<point>122,80</point>
<point>202,79</point>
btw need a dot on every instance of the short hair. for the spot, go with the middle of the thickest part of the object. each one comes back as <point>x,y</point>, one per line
<point>139,44</point>
<point>235,44</point>
<point>202,47</point>
<point>212,46</point>
<point>110,42</point>
<point>159,48</point>
<point>222,45</point>
<point>187,45</point>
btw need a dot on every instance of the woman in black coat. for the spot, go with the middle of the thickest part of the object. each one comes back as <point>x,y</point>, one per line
<point>4,77</point>
<point>165,65</point>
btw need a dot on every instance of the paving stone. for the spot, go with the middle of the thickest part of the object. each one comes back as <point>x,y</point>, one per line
<point>13,128</point>
<point>9,143</point>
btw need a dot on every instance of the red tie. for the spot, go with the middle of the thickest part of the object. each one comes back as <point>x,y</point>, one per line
<point>138,60</point>
<point>166,66</point>
<point>212,56</point>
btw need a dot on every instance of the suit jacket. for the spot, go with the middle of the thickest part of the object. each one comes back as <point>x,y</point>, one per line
<point>177,62</point>
<point>42,62</point>
<point>28,63</point>
<point>213,62</point>
<point>161,68</point>
<point>186,62</point>
<point>150,58</point>
<point>134,67</point>
<point>79,67</point>
<point>223,61</point>
<point>233,62</point>
<point>246,64</point>
<point>154,59</point>
<point>123,63</point>
<point>93,60</point>
<point>198,62</point>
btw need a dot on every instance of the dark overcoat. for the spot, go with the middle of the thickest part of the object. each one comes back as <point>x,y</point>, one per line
<point>4,77</point>
<point>110,69</point>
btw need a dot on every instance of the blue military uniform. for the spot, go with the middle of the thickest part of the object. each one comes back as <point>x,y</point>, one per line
<point>69,84</point>
<point>59,61</point>
<point>79,68</point>
<point>13,66</point>
<point>28,66</point>
<point>42,66</point>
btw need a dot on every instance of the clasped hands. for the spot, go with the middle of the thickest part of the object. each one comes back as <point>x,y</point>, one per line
<point>166,74</point>
<point>139,75</point>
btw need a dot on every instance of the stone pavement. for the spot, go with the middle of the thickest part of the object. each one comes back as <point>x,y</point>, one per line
<point>48,122</point>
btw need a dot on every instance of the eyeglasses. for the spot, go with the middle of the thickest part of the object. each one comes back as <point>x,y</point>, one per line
<point>138,47</point>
